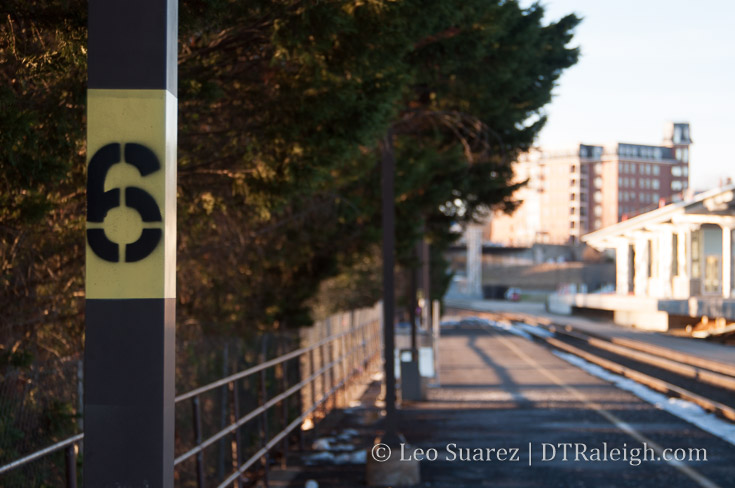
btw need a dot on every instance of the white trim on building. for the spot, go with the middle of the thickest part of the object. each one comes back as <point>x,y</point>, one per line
<point>675,252</point>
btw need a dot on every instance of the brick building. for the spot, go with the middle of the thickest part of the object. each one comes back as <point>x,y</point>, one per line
<point>588,187</point>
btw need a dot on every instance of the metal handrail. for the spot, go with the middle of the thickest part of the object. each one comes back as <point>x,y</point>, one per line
<point>369,355</point>
<point>243,420</point>
<point>70,441</point>
<point>257,368</point>
<point>278,437</point>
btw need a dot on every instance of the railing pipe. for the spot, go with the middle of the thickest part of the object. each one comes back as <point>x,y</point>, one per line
<point>343,356</point>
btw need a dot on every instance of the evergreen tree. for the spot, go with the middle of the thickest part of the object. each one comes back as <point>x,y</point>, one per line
<point>282,105</point>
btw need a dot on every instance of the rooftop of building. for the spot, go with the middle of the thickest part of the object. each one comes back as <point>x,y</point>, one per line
<point>716,200</point>
<point>675,134</point>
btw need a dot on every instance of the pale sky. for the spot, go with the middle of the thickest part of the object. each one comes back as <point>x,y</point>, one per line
<point>643,63</point>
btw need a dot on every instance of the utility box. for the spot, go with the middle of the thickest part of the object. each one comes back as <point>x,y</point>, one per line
<point>413,386</point>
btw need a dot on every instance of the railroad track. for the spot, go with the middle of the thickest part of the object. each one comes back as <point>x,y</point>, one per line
<point>709,384</point>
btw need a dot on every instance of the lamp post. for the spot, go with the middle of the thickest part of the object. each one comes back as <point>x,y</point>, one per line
<point>387,168</point>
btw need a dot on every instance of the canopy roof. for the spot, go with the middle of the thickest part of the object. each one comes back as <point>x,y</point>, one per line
<point>715,206</point>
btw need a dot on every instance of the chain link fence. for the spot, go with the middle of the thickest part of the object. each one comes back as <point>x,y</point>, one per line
<point>39,405</point>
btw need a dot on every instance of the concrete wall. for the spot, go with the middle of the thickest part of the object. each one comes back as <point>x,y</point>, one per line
<point>632,311</point>
<point>549,276</point>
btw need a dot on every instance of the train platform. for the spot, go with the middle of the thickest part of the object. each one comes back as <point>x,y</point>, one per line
<point>509,412</point>
<point>696,347</point>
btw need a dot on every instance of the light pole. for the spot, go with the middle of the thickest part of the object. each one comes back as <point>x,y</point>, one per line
<point>387,167</point>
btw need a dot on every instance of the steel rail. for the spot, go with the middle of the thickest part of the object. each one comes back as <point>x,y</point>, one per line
<point>265,365</point>
<point>365,342</point>
<point>657,384</point>
<point>683,369</point>
<point>252,414</point>
<point>43,452</point>
<point>654,383</point>
<point>278,437</point>
<point>654,350</point>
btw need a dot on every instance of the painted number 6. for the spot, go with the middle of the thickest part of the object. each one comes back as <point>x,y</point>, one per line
<point>99,202</point>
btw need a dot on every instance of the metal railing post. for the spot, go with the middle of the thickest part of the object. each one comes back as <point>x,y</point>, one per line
<point>223,416</point>
<point>312,388</point>
<point>332,382</point>
<point>236,434</point>
<point>198,440</point>
<point>264,425</point>
<point>71,466</point>
<point>284,410</point>
<point>300,402</point>
<point>343,380</point>
<point>323,378</point>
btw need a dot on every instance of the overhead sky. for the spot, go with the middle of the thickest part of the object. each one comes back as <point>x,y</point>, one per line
<point>643,63</point>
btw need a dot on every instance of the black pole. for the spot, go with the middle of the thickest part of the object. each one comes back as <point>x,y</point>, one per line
<point>131,272</point>
<point>412,287</point>
<point>426,280</point>
<point>389,239</point>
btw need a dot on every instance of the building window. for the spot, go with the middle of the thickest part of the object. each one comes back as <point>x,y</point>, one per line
<point>696,253</point>
<point>632,168</point>
<point>676,171</point>
<point>656,169</point>
<point>655,184</point>
<point>598,211</point>
<point>675,255</point>
<point>620,181</point>
<point>598,182</point>
<point>598,196</point>
<point>685,170</point>
<point>732,257</point>
<point>676,185</point>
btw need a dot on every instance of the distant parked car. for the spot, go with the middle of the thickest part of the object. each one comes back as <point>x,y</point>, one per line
<point>513,294</point>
